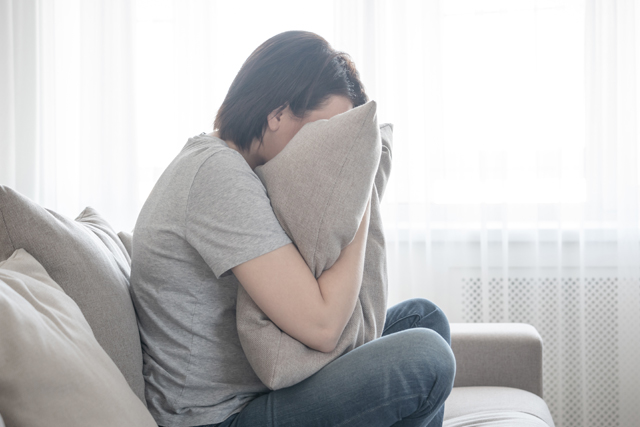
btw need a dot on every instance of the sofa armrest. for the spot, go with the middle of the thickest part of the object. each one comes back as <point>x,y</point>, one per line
<point>497,354</point>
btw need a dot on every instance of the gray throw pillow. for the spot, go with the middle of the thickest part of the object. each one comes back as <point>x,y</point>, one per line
<point>319,185</point>
<point>88,260</point>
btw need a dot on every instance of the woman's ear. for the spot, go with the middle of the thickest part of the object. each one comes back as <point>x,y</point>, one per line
<point>274,120</point>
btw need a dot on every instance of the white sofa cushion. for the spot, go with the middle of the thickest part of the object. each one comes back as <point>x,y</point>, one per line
<point>478,406</point>
<point>496,419</point>
<point>53,372</point>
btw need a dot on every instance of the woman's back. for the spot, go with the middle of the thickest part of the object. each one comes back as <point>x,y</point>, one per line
<point>207,213</point>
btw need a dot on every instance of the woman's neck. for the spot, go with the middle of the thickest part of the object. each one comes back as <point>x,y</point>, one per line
<point>253,157</point>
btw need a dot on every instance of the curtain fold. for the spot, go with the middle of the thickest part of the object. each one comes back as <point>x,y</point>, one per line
<point>612,160</point>
<point>7,94</point>
<point>18,95</point>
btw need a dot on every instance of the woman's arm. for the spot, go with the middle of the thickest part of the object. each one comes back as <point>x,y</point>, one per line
<point>315,312</point>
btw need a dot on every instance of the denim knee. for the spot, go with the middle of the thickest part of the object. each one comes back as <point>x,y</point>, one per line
<point>426,351</point>
<point>433,318</point>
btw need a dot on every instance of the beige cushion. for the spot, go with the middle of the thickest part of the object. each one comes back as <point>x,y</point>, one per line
<point>497,354</point>
<point>320,182</point>
<point>488,406</point>
<point>88,260</point>
<point>496,419</point>
<point>53,372</point>
<point>319,185</point>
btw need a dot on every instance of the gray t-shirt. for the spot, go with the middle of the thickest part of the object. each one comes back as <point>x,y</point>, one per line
<point>207,213</point>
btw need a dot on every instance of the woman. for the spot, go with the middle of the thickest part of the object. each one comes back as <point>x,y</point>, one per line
<point>208,227</point>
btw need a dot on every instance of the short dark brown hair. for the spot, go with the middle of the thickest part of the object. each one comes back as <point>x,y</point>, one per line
<point>298,69</point>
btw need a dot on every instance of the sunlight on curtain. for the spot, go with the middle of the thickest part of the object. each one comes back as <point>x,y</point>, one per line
<point>66,105</point>
<point>514,190</point>
<point>18,94</point>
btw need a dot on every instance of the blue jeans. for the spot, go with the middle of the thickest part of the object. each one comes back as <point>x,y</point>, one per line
<point>400,379</point>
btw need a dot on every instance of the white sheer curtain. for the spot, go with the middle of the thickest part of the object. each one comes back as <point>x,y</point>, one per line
<point>67,120</point>
<point>514,192</point>
<point>17,93</point>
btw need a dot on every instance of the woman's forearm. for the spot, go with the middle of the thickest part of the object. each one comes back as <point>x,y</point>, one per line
<point>340,284</point>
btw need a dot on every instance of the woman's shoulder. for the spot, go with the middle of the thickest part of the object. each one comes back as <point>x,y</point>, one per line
<point>209,151</point>
<point>205,143</point>
<point>214,163</point>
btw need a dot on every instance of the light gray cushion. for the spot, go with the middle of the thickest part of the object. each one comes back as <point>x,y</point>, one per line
<point>53,372</point>
<point>319,185</point>
<point>484,404</point>
<point>320,182</point>
<point>88,260</point>
<point>497,354</point>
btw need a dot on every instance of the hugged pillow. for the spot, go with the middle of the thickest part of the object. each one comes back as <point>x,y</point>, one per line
<point>88,260</point>
<point>319,185</point>
<point>53,372</point>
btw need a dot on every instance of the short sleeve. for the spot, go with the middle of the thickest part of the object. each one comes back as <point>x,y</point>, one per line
<point>229,219</point>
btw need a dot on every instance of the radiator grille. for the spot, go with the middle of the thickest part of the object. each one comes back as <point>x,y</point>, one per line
<point>578,322</point>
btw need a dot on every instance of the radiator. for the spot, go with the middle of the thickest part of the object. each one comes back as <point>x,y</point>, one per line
<point>590,329</point>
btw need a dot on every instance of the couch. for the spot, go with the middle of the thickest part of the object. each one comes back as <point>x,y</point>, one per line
<point>498,376</point>
<point>499,366</point>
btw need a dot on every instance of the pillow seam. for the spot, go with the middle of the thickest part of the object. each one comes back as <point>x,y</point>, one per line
<point>315,246</point>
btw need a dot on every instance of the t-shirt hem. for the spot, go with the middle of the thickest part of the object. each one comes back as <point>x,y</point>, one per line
<point>190,421</point>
